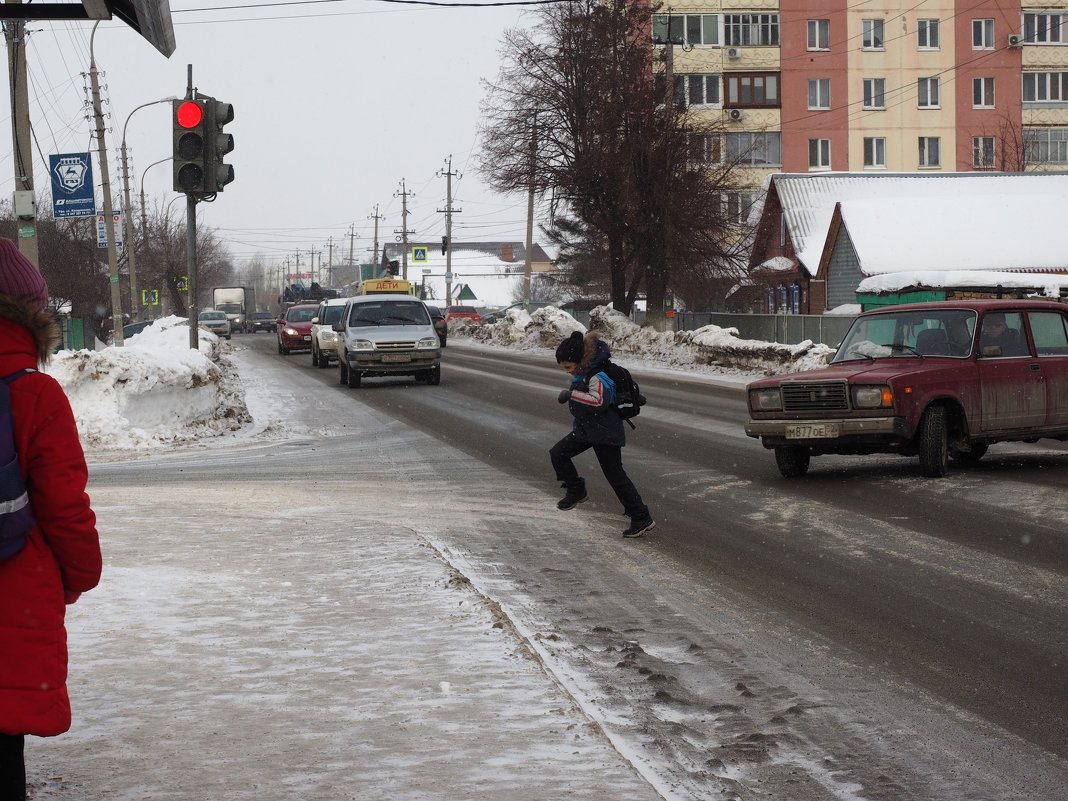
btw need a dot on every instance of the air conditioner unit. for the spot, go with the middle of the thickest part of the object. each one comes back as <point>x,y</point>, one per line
<point>1016,40</point>
<point>735,114</point>
<point>734,52</point>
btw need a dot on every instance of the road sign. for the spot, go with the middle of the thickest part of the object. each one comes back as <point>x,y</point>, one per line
<point>102,229</point>
<point>419,254</point>
<point>149,297</point>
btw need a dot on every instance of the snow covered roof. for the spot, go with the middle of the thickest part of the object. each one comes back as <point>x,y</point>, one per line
<point>944,221</point>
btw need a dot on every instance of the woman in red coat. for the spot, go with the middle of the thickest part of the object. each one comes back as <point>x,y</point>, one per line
<point>61,555</point>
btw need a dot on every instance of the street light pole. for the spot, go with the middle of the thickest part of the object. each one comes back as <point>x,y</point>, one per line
<point>135,302</point>
<point>144,215</point>
<point>105,178</point>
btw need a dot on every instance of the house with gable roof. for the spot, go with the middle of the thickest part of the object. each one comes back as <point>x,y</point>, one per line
<point>828,240</point>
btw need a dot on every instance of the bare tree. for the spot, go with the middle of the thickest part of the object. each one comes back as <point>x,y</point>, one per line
<point>576,111</point>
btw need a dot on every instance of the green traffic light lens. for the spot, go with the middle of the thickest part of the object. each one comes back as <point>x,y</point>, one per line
<point>189,114</point>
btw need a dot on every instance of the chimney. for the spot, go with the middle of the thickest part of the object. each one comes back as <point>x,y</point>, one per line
<point>507,252</point>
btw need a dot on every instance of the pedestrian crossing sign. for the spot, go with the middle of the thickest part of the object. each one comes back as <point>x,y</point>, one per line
<point>419,254</point>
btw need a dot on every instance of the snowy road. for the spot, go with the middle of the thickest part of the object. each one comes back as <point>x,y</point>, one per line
<point>672,673</point>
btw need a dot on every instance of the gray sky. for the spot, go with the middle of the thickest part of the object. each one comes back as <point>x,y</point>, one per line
<point>335,101</point>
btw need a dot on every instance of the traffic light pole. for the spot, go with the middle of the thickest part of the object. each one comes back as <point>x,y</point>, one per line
<point>191,269</point>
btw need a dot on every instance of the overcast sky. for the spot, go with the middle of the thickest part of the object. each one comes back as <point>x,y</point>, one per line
<point>336,102</point>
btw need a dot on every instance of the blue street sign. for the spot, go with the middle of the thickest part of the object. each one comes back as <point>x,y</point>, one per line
<point>72,185</point>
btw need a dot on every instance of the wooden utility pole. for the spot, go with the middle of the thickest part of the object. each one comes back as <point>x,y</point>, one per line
<point>21,136</point>
<point>404,194</point>
<point>449,211</point>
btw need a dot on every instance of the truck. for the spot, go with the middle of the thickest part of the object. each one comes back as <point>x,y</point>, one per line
<point>237,301</point>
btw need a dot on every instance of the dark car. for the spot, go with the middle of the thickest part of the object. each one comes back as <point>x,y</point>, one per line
<point>437,316</point>
<point>500,314</point>
<point>462,313</point>
<point>130,329</point>
<point>294,329</point>
<point>935,380</point>
<point>261,321</point>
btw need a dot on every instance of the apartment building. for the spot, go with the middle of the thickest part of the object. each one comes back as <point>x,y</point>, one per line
<point>942,85</point>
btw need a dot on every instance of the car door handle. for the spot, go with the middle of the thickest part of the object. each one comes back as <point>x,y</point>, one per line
<point>1034,367</point>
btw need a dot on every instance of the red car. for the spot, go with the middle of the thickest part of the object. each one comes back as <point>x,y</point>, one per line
<point>462,313</point>
<point>294,327</point>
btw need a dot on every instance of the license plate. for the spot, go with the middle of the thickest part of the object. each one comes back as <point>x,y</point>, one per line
<point>812,431</point>
<point>307,338</point>
<point>396,357</point>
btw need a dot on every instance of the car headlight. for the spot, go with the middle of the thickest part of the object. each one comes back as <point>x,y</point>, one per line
<point>873,396</point>
<point>329,336</point>
<point>765,400</point>
<point>291,332</point>
<point>428,343</point>
<point>363,344</point>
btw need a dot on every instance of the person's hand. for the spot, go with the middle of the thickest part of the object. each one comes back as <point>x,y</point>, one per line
<point>564,396</point>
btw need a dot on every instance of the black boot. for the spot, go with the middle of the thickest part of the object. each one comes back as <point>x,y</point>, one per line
<point>574,496</point>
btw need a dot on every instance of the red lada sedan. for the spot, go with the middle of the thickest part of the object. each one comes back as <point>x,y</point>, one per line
<point>294,328</point>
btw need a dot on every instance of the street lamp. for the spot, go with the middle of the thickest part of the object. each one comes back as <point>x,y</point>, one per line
<point>144,207</point>
<point>135,302</point>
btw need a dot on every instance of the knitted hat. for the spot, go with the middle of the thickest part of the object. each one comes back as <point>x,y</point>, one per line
<point>570,350</point>
<point>19,278</point>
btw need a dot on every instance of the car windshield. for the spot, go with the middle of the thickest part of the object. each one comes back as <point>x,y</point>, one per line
<point>263,316</point>
<point>300,315</point>
<point>910,334</point>
<point>388,312</point>
<point>213,315</point>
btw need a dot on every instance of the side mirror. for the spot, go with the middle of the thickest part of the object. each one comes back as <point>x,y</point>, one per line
<point>339,327</point>
<point>315,320</point>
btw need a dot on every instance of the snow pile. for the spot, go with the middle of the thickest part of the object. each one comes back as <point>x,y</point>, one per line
<point>706,346</point>
<point>154,391</point>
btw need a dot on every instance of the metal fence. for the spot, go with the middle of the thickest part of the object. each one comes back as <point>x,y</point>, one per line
<point>785,329</point>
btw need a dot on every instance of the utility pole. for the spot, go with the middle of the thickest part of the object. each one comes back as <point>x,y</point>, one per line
<point>21,135</point>
<point>352,243</point>
<point>330,262</point>
<point>449,211</point>
<point>528,261</point>
<point>376,217</point>
<point>109,220</point>
<point>404,194</point>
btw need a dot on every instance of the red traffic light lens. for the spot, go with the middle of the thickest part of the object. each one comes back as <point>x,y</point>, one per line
<point>189,114</point>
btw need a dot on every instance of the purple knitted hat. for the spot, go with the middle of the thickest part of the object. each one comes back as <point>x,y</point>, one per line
<point>19,278</point>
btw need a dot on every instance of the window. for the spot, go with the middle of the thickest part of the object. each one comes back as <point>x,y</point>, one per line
<point>755,148</point>
<point>982,93</point>
<point>689,29</point>
<point>929,151</point>
<point>927,34</point>
<point>702,90</point>
<point>1049,332</point>
<point>982,34</point>
<point>874,151</point>
<point>751,29</point>
<point>927,89</point>
<point>872,36</point>
<point>705,149</point>
<point>739,205</point>
<point>874,93</point>
<point>1045,87</point>
<point>757,90</point>
<point>1046,145</point>
<point>983,152</point>
<point>819,34</point>
<point>819,154</point>
<point>1044,27</point>
<point>819,93</point>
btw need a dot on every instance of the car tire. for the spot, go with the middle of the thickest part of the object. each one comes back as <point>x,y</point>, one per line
<point>433,376</point>
<point>315,356</point>
<point>282,349</point>
<point>355,377</point>
<point>324,360</point>
<point>933,442</point>
<point>792,460</point>
<point>342,370</point>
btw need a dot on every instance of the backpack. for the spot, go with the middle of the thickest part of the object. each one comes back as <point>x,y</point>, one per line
<point>629,399</point>
<point>16,515</point>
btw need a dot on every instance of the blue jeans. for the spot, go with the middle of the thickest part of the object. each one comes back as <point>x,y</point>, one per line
<point>610,457</point>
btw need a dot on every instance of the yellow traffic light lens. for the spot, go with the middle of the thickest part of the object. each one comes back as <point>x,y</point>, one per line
<point>189,114</point>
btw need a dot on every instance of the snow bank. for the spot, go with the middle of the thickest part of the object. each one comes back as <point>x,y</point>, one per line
<point>154,391</point>
<point>707,346</point>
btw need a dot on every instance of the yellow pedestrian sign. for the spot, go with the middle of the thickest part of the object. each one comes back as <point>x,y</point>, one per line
<point>149,297</point>
<point>419,254</point>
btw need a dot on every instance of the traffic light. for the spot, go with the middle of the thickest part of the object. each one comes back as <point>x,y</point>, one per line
<point>444,245</point>
<point>221,143</point>
<point>190,146</point>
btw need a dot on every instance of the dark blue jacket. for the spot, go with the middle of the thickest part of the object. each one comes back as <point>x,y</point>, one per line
<point>593,396</point>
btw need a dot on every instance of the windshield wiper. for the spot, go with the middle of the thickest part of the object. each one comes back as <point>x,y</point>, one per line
<point>902,346</point>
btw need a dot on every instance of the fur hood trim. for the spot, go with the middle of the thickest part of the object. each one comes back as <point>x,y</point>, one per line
<point>39,322</point>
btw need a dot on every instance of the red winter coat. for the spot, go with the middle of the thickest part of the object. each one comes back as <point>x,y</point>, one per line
<point>62,554</point>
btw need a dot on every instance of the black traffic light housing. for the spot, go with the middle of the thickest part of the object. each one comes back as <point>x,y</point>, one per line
<point>219,172</point>
<point>444,245</point>
<point>190,126</point>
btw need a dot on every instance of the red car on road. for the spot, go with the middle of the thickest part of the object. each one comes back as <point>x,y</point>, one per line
<point>294,327</point>
<point>462,313</point>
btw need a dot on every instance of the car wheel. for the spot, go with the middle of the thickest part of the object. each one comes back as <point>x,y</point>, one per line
<point>354,378</point>
<point>433,376</point>
<point>324,360</point>
<point>315,356</point>
<point>282,349</point>
<point>792,460</point>
<point>933,442</point>
<point>443,341</point>
<point>971,456</point>
<point>342,370</point>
